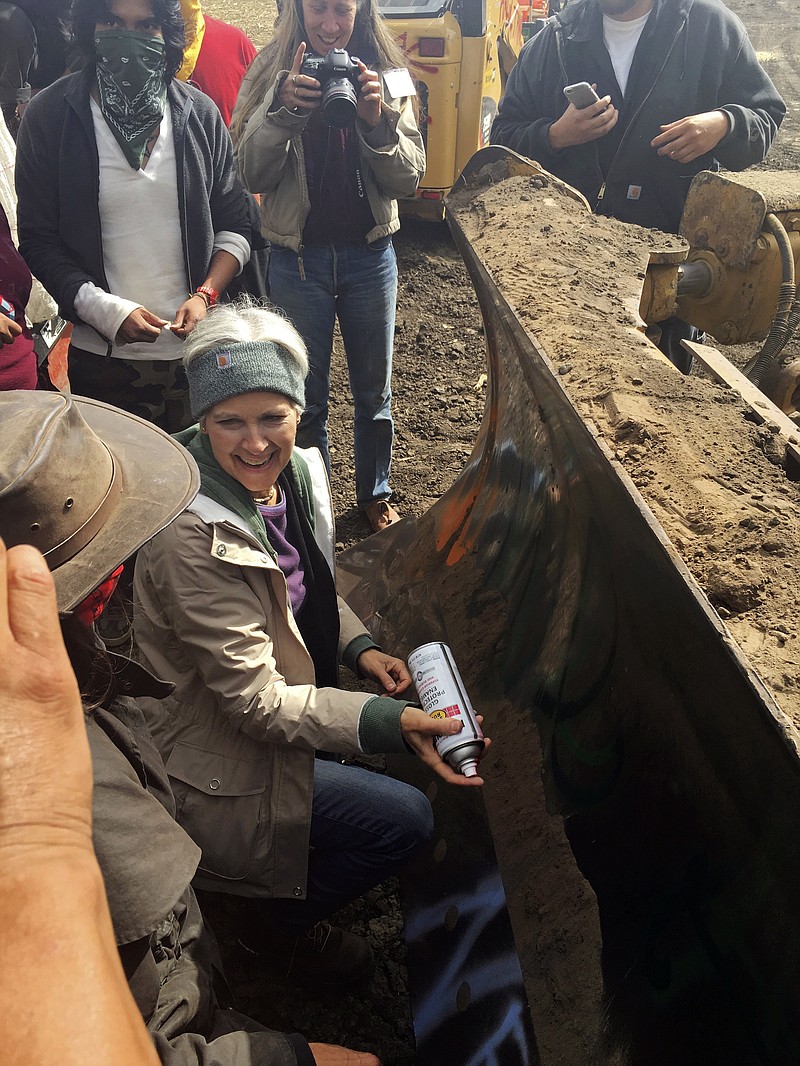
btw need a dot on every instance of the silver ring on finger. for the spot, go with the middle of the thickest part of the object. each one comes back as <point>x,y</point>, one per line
<point>294,81</point>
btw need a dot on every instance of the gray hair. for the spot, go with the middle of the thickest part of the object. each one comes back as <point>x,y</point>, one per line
<point>245,319</point>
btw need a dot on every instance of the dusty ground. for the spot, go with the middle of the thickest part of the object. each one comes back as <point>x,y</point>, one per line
<point>713,478</point>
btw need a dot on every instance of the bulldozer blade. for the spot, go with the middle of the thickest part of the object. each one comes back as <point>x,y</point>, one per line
<point>642,787</point>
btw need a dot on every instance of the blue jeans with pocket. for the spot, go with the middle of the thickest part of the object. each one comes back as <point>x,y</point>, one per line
<point>356,283</point>
<point>364,827</point>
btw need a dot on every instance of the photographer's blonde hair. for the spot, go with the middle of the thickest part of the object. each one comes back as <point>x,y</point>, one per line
<point>370,33</point>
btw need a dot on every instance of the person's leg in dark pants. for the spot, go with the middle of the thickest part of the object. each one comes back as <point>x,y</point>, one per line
<point>673,331</point>
<point>364,828</point>
<point>310,305</point>
<point>366,308</point>
<point>153,389</point>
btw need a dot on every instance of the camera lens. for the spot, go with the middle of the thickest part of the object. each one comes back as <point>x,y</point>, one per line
<point>339,103</point>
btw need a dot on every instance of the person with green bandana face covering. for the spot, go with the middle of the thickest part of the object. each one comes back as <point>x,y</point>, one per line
<point>131,88</point>
<point>130,205</point>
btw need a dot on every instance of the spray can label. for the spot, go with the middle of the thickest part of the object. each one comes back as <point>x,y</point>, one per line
<point>443,695</point>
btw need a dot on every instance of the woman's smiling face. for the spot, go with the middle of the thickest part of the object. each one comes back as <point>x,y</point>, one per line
<point>329,24</point>
<point>252,437</point>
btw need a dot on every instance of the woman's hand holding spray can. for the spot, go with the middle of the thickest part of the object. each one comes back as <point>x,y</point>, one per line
<point>443,695</point>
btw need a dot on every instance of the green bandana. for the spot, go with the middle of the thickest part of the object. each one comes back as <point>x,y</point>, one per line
<point>133,92</point>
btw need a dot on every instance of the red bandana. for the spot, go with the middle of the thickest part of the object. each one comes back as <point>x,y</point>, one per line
<point>90,609</point>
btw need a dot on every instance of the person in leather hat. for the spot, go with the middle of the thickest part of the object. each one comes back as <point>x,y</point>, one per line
<point>87,485</point>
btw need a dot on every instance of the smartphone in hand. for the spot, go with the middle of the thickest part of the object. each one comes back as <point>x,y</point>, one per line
<point>581,95</point>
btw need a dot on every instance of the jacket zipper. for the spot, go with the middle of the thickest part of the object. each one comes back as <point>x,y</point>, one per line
<point>559,51</point>
<point>634,116</point>
<point>184,221</point>
<point>305,202</point>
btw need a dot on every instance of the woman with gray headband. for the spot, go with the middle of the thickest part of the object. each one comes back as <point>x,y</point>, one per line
<point>236,604</point>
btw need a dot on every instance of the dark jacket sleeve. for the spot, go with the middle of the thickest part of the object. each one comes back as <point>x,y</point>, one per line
<point>241,1048</point>
<point>523,119</point>
<point>229,207</point>
<point>754,106</point>
<point>39,204</point>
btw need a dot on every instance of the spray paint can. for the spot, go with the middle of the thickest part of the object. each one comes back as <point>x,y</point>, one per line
<point>442,695</point>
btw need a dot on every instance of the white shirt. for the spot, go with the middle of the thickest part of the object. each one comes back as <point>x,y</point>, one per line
<point>620,39</point>
<point>142,247</point>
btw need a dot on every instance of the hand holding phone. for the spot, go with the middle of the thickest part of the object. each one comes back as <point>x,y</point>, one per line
<point>589,118</point>
<point>10,329</point>
<point>581,94</point>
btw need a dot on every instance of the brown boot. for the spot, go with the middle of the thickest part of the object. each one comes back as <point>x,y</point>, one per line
<point>322,956</point>
<point>380,514</point>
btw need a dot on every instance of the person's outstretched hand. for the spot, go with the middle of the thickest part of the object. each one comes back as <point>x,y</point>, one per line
<point>419,730</point>
<point>45,799</point>
<point>333,1055</point>
<point>693,136</point>
<point>61,981</point>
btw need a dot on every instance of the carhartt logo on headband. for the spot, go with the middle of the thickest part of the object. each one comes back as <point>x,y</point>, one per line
<point>224,360</point>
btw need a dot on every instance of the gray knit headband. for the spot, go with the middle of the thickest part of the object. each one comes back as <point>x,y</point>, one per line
<point>233,369</point>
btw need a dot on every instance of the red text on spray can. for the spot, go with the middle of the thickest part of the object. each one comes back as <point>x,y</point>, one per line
<point>442,695</point>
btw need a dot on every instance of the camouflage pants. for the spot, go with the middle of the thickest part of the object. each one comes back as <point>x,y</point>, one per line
<point>153,389</point>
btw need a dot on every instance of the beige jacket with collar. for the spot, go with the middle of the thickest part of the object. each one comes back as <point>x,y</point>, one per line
<point>238,735</point>
<point>272,163</point>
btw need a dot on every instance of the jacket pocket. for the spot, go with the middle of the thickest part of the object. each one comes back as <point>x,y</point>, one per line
<point>219,802</point>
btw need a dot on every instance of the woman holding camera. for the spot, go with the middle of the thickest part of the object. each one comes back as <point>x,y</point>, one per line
<point>329,206</point>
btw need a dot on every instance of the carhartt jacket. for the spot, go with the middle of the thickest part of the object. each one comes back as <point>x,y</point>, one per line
<point>272,163</point>
<point>57,175</point>
<point>238,735</point>
<point>693,56</point>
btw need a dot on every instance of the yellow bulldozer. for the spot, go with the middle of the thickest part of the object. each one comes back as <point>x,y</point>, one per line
<point>460,53</point>
<point>614,570</point>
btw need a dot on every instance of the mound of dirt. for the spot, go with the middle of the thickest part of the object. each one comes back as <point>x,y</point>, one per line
<point>714,479</point>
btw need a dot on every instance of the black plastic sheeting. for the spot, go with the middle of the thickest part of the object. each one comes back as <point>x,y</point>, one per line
<point>619,698</point>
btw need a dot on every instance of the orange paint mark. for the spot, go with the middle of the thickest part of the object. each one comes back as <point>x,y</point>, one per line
<point>57,363</point>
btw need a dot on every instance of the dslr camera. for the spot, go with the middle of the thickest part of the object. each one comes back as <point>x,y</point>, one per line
<point>337,74</point>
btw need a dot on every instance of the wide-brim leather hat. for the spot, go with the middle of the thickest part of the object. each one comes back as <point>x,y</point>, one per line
<point>86,483</point>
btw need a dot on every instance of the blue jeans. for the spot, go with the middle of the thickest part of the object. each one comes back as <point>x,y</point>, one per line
<point>364,827</point>
<point>356,283</point>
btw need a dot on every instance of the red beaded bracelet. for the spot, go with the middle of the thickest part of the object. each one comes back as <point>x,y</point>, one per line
<point>212,294</point>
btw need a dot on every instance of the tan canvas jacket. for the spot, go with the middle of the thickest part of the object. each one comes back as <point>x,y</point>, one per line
<point>238,735</point>
<point>271,163</point>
